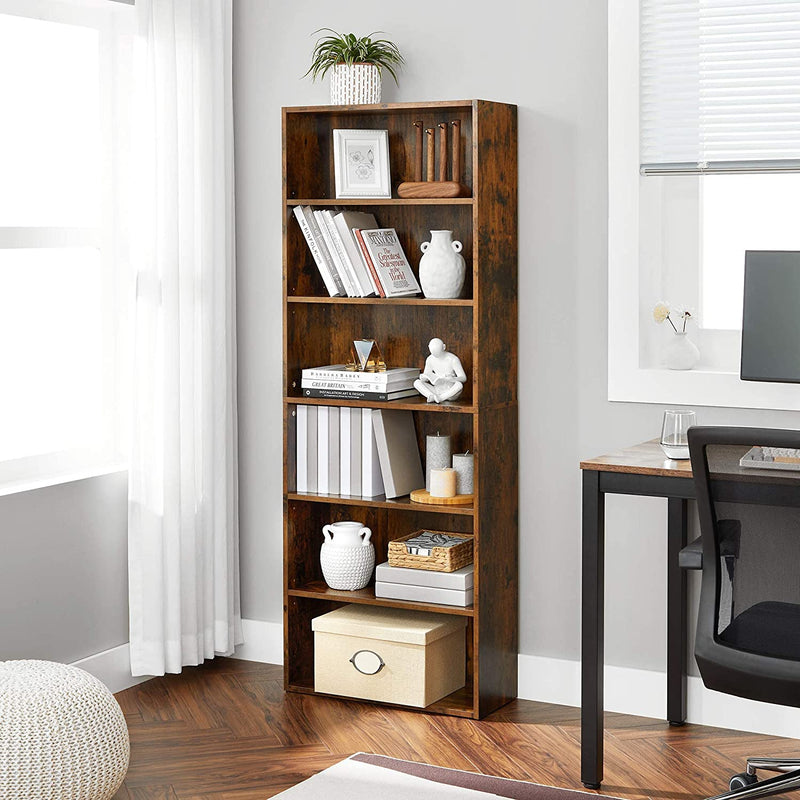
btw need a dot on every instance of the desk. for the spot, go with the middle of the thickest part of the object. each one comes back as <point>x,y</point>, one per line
<point>643,470</point>
<point>638,470</point>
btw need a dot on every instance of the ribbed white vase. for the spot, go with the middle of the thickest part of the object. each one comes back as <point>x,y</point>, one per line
<point>355,84</point>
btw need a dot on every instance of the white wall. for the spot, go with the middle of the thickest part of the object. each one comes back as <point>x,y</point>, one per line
<point>550,59</point>
<point>64,570</point>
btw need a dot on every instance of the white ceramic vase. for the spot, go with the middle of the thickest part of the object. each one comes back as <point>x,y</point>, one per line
<point>355,84</point>
<point>442,267</point>
<point>681,352</point>
<point>347,556</point>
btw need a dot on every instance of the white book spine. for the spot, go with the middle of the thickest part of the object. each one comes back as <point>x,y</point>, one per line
<point>333,450</point>
<point>301,482</point>
<point>355,450</point>
<point>323,454</point>
<point>311,448</point>
<point>357,376</point>
<point>340,256</point>
<point>313,226</point>
<point>371,478</point>
<point>345,440</point>
<point>322,265</point>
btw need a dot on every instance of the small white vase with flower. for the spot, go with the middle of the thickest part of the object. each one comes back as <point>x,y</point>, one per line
<point>681,352</point>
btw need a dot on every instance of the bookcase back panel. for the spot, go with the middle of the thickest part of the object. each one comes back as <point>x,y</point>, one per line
<point>309,145</point>
<point>320,334</point>
<point>304,532</point>
<point>413,224</point>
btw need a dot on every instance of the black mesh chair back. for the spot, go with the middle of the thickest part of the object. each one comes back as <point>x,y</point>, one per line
<point>748,630</point>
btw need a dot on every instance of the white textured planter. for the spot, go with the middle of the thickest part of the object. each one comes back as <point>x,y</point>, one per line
<point>441,268</point>
<point>355,84</point>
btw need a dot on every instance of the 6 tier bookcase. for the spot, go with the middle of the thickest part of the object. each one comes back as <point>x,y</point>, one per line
<point>480,327</point>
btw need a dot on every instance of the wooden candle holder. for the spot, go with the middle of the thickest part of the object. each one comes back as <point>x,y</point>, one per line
<point>431,188</point>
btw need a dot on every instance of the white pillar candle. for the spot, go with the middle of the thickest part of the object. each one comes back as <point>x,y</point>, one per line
<point>464,466</point>
<point>437,455</point>
<point>443,482</point>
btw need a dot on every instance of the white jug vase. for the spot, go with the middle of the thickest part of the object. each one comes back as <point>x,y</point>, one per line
<point>681,352</point>
<point>442,267</point>
<point>347,556</point>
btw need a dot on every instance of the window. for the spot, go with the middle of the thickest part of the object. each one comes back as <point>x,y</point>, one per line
<point>685,196</point>
<point>62,251</point>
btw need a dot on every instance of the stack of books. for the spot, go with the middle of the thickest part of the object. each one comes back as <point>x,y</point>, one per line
<point>354,256</point>
<point>336,382</point>
<point>361,452</point>
<point>424,586</point>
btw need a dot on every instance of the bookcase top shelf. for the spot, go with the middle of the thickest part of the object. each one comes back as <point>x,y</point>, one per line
<point>402,503</point>
<point>409,404</point>
<point>368,301</point>
<point>383,201</point>
<point>381,107</point>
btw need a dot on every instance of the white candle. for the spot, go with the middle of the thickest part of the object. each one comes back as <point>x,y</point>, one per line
<point>437,455</point>
<point>464,465</point>
<point>443,482</point>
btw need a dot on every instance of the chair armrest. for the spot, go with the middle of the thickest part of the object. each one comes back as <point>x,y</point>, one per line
<point>691,557</point>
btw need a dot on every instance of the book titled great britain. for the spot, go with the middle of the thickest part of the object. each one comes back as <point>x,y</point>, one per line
<point>384,254</point>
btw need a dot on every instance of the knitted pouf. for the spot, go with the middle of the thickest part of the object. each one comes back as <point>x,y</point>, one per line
<point>62,734</point>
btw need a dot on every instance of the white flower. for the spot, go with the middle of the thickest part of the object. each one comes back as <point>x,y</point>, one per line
<point>660,312</point>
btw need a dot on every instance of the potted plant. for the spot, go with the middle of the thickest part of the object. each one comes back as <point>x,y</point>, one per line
<point>356,65</point>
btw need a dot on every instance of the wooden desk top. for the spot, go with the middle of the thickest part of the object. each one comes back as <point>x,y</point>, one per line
<point>646,458</point>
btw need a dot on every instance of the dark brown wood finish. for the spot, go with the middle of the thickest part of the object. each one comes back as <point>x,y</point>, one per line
<point>481,327</point>
<point>227,731</point>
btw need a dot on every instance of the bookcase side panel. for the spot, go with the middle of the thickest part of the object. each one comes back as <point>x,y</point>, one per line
<point>496,252</point>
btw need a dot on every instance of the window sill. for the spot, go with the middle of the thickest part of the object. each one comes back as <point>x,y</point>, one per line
<point>699,388</point>
<point>67,476</point>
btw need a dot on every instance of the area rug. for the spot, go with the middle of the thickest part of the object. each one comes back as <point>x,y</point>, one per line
<point>370,777</point>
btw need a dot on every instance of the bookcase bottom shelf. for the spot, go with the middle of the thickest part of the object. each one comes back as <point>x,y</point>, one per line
<point>458,704</point>
<point>319,590</point>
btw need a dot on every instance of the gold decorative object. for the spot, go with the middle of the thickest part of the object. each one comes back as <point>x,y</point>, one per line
<point>365,356</point>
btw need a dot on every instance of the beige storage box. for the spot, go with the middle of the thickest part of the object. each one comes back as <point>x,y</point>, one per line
<point>412,658</point>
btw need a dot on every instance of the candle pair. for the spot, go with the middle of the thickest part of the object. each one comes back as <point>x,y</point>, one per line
<point>442,479</point>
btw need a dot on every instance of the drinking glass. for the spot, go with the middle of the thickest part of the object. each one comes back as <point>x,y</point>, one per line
<point>674,441</point>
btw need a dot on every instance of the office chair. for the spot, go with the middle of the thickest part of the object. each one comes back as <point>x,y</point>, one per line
<point>748,628</point>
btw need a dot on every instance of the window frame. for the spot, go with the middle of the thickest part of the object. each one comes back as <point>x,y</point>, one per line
<point>627,380</point>
<point>59,466</point>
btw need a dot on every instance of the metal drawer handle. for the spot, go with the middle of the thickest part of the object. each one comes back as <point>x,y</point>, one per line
<point>367,662</point>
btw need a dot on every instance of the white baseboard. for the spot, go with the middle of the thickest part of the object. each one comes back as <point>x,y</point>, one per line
<point>263,641</point>
<point>644,693</point>
<point>112,667</point>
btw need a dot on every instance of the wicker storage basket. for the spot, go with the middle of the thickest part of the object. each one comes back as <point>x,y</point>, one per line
<point>442,559</point>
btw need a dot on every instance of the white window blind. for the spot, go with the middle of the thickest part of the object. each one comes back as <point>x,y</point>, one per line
<point>719,86</point>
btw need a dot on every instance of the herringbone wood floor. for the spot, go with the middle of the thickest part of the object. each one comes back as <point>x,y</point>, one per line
<point>227,731</point>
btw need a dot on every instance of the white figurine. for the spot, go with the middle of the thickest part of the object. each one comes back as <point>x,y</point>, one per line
<point>443,377</point>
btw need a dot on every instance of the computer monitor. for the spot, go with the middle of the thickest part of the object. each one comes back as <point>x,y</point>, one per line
<point>771,316</point>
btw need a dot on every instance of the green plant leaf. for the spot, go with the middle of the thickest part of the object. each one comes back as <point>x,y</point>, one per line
<point>339,48</point>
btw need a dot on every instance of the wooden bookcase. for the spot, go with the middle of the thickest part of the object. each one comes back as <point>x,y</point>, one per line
<point>481,328</point>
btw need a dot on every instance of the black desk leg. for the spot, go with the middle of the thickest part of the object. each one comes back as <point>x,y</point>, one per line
<point>592,631</point>
<point>677,524</point>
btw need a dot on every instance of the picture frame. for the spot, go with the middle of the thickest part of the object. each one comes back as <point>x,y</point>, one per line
<point>361,163</point>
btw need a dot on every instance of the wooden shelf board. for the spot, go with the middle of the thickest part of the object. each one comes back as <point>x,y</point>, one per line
<point>319,590</point>
<point>372,108</point>
<point>400,503</point>
<point>408,404</point>
<point>457,704</point>
<point>378,301</point>
<point>381,201</point>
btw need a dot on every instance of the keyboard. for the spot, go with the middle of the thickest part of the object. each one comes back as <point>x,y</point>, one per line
<point>771,458</point>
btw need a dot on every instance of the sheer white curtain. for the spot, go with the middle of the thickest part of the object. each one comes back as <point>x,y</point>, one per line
<point>183,515</point>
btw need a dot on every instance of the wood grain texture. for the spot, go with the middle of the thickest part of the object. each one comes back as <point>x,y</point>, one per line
<point>646,458</point>
<point>228,731</point>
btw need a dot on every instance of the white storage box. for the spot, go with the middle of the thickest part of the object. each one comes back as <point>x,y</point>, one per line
<point>411,658</point>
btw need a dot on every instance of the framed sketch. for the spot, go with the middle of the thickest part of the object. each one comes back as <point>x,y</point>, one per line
<point>361,163</point>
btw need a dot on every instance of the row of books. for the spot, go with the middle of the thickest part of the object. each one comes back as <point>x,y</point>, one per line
<point>354,256</point>
<point>360,452</point>
<point>336,382</point>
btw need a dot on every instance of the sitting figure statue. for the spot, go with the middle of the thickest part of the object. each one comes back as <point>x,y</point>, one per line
<point>443,377</point>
